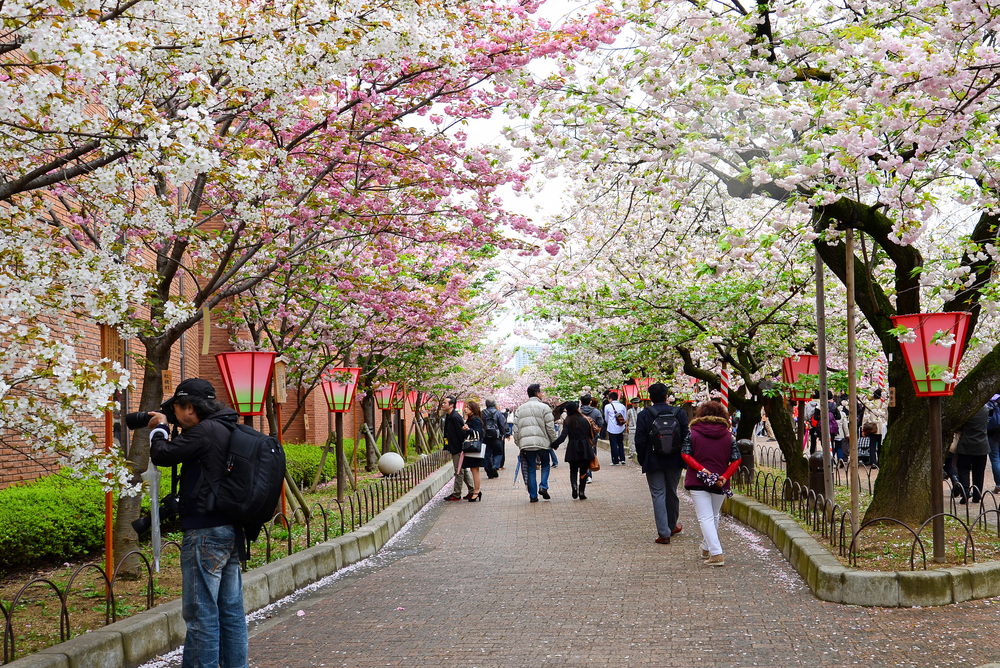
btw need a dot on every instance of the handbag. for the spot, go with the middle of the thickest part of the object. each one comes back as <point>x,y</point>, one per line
<point>474,446</point>
<point>595,465</point>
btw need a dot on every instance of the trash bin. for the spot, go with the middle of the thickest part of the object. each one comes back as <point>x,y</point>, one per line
<point>816,483</point>
<point>747,462</point>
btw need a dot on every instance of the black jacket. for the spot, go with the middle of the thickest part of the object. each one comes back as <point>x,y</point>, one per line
<point>202,452</point>
<point>454,435</point>
<point>644,425</point>
<point>580,443</point>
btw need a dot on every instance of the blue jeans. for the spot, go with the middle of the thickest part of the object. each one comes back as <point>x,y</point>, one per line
<point>555,460</point>
<point>497,460</point>
<point>529,460</point>
<point>617,447</point>
<point>212,599</point>
<point>995,460</point>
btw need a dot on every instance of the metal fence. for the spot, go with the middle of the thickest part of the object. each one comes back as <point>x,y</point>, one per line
<point>356,509</point>
<point>833,523</point>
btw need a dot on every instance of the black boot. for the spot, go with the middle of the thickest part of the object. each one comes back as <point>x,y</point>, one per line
<point>572,483</point>
<point>583,486</point>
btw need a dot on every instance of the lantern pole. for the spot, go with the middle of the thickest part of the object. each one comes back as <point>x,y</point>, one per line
<point>937,493</point>
<point>823,403</point>
<point>852,383</point>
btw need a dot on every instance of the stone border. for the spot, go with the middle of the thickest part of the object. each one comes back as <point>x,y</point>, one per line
<point>142,637</point>
<point>831,581</point>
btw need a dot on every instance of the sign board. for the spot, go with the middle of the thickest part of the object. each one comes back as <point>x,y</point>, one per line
<point>280,389</point>
<point>168,383</point>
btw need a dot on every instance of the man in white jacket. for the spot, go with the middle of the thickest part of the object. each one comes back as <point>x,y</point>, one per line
<point>534,431</point>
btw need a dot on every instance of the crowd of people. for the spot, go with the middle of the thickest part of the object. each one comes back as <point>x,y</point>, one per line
<point>659,437</point>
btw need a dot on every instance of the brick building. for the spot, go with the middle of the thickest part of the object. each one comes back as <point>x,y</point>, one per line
<point>312,425</point>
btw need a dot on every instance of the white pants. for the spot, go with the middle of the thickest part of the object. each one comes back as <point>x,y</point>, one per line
<point>708,507</point>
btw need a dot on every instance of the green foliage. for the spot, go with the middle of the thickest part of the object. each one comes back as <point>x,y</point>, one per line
<point>302,461</point>
<point>56,517</point>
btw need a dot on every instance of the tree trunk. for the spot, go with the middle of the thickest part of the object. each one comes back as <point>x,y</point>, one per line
<point>125,538</point>
<point>749,417</point>
<point>903,486</point>
<point>796,466</point>
<point>368,408</point>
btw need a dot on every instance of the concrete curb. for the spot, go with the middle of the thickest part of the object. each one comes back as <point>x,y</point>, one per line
<point>831,581</point>
<point>134,641</point>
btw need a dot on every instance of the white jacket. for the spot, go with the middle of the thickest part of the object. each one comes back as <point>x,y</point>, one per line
<point>534,428</point>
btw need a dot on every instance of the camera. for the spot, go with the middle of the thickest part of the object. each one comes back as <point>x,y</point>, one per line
<point>170,507</point>
<point>141,419</point>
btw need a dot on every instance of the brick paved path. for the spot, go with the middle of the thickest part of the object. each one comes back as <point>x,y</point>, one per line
<point>581,583</point>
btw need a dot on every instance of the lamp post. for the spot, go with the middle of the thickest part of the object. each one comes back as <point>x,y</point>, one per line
<point>246,376</point>
<point>339,385</point>
<point>280,397</point>
<point>643,387</point>
<point>384,398</point>
<point>791,369</point>
<point>933,349</point>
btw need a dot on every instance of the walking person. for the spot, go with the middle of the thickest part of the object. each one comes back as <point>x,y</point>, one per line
<point>474,426</point>
<point>454,436</point>
<point>630,417</point>
<point>993,435</point>
<point>662,469</point>
<point>615,419</point>
<point>494,433</point>
<point>971,453</point>
<point>578,433</point>
<point>534,430</point>
<point>589,409</point>
<point>712,458</point>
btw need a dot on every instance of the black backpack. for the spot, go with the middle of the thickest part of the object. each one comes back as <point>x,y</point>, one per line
<point>252,479</point>
<point>663,435</point>
<point>491,428</point>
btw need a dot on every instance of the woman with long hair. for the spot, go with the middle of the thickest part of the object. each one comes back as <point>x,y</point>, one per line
<point>579,449</point>
<point>473,423</point>
<point>711,455</point>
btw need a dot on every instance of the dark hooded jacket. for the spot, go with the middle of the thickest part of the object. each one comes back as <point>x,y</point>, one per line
<point>711,443</point>
<point>201,450</point>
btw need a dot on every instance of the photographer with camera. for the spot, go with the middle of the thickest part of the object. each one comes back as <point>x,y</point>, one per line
<point>213,545</point>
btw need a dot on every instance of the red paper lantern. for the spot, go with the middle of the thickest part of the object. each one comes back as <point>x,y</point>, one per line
<point>793,367</point>
<point>643,385</point>
<point>402,398</point>
<point>384,397</point>
<point>339,385</point>
<point>630,392</point>
<point>934,355</point>
<point>246,376</point>
<point>460,406</point>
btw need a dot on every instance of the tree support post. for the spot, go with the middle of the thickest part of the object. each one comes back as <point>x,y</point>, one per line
<point>937,493</point>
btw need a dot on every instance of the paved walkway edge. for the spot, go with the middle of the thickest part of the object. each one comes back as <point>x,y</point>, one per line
<point>142,637</point>
<point>831,581</point>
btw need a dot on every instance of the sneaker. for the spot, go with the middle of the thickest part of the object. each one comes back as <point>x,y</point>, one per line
<point>717,560</point>
<point>534,499</point>
<point>705,554</point>
<point>545,494</point>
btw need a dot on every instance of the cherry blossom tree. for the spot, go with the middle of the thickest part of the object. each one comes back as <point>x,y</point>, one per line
<point>872,116</point>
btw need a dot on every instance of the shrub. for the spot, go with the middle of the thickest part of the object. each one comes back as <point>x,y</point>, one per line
<point>56,517</point>
<point>302,462</point>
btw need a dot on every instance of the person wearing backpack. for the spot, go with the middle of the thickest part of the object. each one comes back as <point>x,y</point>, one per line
<point>660,431</point>
<point>494,432</point>
<point>993,435</point>
<point>615,419</point>
<point>212,548</point>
